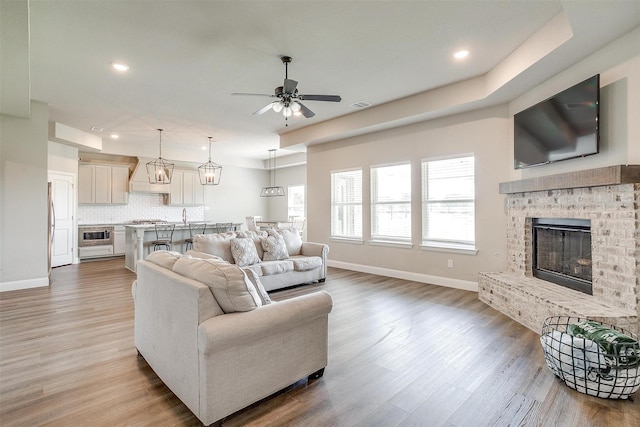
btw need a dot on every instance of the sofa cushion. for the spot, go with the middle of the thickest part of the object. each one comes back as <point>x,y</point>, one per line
<point>218,244</point>
<point>244,251</point>
<point>256,268</point>
<point>305,263</point>
<point>292,240</point>
<point>274,247</point>
<point>276,267</point>
<point>229,284</point>
<point>164,259</point>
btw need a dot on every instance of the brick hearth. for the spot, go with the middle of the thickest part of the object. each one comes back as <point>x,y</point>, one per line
<point>610,198</point>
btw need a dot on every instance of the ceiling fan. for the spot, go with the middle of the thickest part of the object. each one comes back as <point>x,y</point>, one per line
<point>289,98</point>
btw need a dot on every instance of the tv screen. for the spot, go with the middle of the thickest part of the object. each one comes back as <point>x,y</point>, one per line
<point>562,127</point>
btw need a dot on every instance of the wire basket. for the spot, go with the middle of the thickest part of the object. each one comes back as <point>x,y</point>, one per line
<point>595,367</point>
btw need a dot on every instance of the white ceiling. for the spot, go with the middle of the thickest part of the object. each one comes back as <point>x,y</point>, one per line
<point>187,57</point>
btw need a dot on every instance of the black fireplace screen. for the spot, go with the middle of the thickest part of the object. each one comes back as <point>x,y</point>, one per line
<point>562,252</point>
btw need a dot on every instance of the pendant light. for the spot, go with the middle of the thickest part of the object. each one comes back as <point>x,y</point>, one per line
<point>159,170</point>
<point>210,172</point>
<point>274,190</point>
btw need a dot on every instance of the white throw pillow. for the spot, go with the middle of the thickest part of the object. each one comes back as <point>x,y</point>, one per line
<point>218,244</point>
<point>274,247</point>
<point>244,251</point>
<point>292,240</point>
<point>229,284</point>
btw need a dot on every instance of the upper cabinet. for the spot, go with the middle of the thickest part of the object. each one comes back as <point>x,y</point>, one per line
<point>185,189</point>
<point>103,184</point>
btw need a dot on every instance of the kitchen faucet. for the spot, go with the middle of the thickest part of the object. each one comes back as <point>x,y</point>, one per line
<point>184,216</point>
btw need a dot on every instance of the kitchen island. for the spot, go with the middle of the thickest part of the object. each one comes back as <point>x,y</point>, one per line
<point>138,238</point>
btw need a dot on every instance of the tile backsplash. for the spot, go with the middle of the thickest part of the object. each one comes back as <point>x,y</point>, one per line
<point>140,206</point>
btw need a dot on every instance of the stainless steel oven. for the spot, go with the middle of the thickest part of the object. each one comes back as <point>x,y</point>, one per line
<point>95,236</point>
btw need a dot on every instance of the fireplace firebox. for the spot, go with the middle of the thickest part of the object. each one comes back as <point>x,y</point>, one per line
<point>562,252</point>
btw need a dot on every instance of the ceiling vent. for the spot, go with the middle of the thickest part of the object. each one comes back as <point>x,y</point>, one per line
<point>361,104</point>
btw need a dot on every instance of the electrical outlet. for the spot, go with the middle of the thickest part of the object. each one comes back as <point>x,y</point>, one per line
<point>450,263</point>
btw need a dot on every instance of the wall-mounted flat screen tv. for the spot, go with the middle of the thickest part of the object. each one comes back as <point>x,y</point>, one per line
<point>562,127</point>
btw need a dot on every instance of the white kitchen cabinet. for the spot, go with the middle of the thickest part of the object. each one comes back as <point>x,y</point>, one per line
<point>120,185</point>
<point>118,240</point>
<point>103,184</point>
<point>185,189</point>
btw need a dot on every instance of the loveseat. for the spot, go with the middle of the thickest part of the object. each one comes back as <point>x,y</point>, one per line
<point>209,330</point>
<point>278,257</point>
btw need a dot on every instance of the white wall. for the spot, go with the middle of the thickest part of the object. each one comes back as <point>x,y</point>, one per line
<point>23,195</point>
<point>483,133</point>
<point>279,206</point>
<point>237,196</point>
<point>62,158</point>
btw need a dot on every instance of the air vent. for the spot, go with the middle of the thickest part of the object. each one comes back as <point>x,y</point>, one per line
<point>361,104</point>
<point>96,129</point>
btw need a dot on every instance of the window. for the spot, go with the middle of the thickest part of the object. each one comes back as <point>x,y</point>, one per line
<point>391,202</point>
<point>448,203</point>
<point>346,204</point>
<point>295,204</point>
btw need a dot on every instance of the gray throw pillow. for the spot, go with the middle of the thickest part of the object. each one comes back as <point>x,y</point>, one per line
<point>244,251</point>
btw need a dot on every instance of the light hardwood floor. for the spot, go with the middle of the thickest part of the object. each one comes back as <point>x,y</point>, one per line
<point>400,354</point>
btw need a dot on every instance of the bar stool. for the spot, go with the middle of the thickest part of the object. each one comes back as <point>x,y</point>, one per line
<point>222,227</point>
<point>193,230</point>
<point>164,236</point>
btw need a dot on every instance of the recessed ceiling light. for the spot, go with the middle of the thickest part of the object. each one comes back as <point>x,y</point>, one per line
<point>115,136</point>
<point>204,147</point>
<point>119,66</point>
<point>461,54</point>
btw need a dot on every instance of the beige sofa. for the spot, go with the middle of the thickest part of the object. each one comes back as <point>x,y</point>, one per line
<point>279,257</point>
<point>213,336</point>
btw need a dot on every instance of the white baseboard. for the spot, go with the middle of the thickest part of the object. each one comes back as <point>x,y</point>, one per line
<point>407,275</point>
<point>24,284</point>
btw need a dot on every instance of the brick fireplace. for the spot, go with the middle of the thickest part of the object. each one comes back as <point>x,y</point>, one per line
<point>610,199</point>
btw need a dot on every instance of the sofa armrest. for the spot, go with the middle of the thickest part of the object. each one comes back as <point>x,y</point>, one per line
<point>236,329</point>
<point>316,249</point>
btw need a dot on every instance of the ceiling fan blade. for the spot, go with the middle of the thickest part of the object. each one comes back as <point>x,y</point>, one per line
<point>330,98</point>
<point>264,109</point>
<point>305,111</point>
<point>290,85</point>
<point>253,94</point>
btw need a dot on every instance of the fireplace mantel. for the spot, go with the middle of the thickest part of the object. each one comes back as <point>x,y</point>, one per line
<point>610,175</point>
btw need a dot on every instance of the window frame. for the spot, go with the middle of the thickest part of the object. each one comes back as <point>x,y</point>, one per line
<point>376,236</point>
<point>439,244</point>
<point>355,202</point>
<point>290,194</point>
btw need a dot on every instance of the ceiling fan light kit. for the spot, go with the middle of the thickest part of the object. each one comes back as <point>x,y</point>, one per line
<point>288,102</point>
<point>273,190</point>
<point>160,170</point>
<point>210,172</point>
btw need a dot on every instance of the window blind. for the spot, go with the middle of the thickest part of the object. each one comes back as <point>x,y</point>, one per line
<point>346,204</point>
<point>448,202</point>
<point>391,202</point>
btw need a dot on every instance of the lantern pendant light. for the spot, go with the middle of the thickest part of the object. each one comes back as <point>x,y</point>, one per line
<point>159,170</point>
<point>210,172</point>
<point>273,190</point>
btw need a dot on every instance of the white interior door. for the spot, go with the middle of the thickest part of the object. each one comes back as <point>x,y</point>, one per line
<point>63,195</point>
